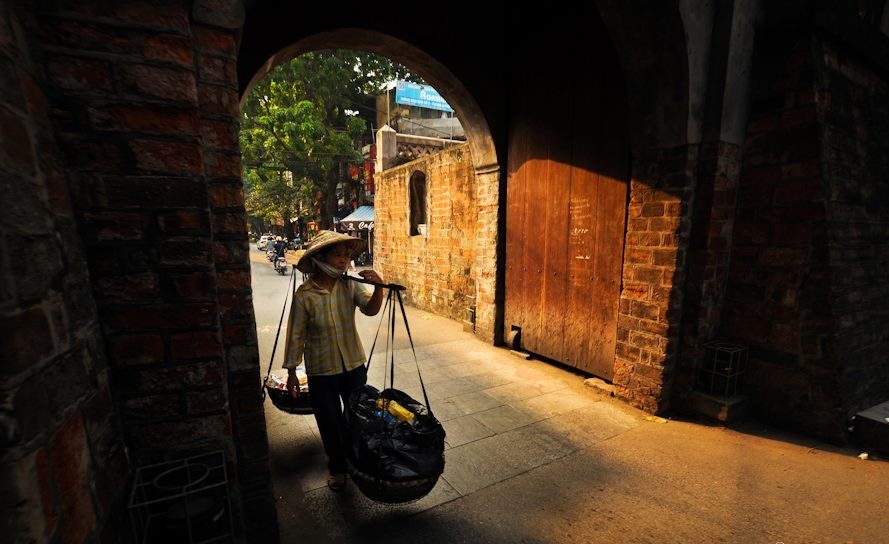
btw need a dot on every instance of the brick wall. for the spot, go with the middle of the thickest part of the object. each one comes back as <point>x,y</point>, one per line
<point>809,238</point>
<point>143,103</point>
<point>653,277</point>
<point>64,464</point>
<point>439,268</point>
<point>709,250</point>
<point>852,97</point>
<point>779,291</point>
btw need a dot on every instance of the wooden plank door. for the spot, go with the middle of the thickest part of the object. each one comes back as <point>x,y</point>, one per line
<point>566,213</point>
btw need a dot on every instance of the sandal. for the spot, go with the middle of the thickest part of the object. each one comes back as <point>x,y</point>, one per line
<point>336,481</point>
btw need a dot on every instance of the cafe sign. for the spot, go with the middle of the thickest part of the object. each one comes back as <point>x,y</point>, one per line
<point>359,225</point>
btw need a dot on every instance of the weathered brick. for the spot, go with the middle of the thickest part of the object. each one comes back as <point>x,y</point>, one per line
<point>100,422</point>
<point>96,156</point>
<point>194,345</point>
<point>174,49</point>
<point>107,226</point>
<point>157,380</point>
<point>184,251</point>
<point>234,335</point>
<point>136,349</point>
<point>47,490</point>
<point>664,257</point>
<point>202,402</point>
<point>161,317</point>
<point>20,350</point>
<point>644,310</point>
<point>646,274</point>
<point>130,287</point>
<point>184,222</point>
<point>145,119</point>
<point>112,474</point>
<point>653,209</point>
<point>638,256</point>
<point>219,134</point>
<point>16,151</point>
<point>230,223</point>
<point>162,191</point>
<point>151,407</point>
<point>165,83</point>
<point>790,234</point>
<point>227,196</point>
<point>218,100</point>
<point>71,470</point>
<point>84,35</point>
<point>798,190</point>
<point>215,40</point>
<point>79,74</point>
<point>234,280</point>
<point>167,157</point>
<point>225,165</point>
<point>167,435</point>
<point>230,252</point>
<point>189,286</point>
<point>32,410</point>
<point>59,196</point>
<point>170,19</point>
<point>216,69</point>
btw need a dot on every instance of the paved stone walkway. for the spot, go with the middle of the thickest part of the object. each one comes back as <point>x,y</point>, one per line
<point>534,455</point>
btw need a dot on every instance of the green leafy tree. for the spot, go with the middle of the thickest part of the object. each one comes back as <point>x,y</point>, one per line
<point>302,127</point>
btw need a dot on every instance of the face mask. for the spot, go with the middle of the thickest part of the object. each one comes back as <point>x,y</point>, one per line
<point>326,268</point>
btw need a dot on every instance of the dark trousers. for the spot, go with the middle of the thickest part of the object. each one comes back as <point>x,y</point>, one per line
<point>329,396</point>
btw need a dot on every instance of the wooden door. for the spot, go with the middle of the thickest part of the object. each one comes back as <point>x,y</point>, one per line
<point>566,207</point>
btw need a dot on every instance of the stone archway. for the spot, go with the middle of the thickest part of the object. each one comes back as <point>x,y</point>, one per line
<point>436,74</point>
<point>663,171</point>
<point>479,137</point>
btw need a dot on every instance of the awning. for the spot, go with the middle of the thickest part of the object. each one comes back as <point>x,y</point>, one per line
<point>362,219</point>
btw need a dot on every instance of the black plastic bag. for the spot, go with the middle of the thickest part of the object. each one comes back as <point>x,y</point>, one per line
<point>388,449</point>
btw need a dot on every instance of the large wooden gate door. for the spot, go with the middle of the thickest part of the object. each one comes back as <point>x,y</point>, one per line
<point>566,208</point>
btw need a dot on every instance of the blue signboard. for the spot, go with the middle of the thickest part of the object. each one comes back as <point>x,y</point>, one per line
<point>421,96</point>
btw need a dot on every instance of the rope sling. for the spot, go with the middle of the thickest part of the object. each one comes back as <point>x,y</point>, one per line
<point>397,452</point>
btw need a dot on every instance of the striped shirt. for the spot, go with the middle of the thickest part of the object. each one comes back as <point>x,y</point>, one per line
<point>322,328</point>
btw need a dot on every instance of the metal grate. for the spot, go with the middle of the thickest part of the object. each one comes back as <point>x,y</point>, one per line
<point>722,369</point>
<point>183,501</point>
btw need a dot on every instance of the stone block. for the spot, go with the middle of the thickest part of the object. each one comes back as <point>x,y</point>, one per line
<point>724,409</point>
<point>871,428</point>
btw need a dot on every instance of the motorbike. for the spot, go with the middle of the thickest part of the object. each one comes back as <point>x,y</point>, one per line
<point>280,265</point>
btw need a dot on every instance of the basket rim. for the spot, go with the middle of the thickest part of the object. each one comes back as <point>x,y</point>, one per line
<point>284,402</point>
<point>350,464</point>
<point>391,491</point>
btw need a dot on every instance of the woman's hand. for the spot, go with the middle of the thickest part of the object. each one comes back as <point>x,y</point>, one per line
<point>371,275</point>
<point>376,299</point>
<point>293,384</point>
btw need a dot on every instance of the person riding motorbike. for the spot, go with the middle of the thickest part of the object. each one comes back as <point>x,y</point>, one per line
<point>280,249</point>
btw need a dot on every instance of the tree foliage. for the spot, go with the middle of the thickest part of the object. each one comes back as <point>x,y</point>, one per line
<point>302,127</point>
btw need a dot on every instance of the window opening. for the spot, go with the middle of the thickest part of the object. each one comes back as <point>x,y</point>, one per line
<point>417,190</point>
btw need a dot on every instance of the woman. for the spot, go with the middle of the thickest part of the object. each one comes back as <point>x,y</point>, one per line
<point>322,331</point>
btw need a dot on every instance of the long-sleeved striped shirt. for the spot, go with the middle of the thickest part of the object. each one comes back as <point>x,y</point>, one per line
<point>322,329</point>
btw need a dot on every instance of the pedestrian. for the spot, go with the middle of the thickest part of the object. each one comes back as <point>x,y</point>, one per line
<point>321,333</point>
